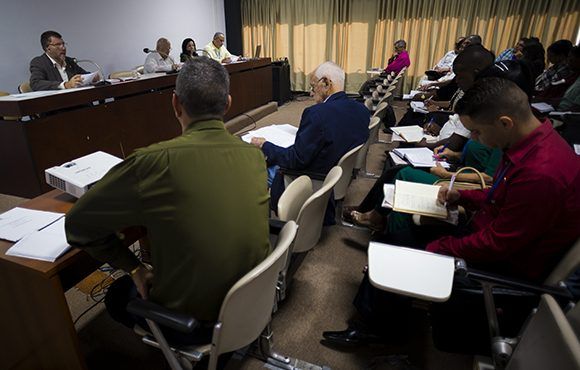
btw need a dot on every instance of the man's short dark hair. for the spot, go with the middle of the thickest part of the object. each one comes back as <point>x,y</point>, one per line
<point>45,38</point>
<point>561,47</point>
<point>476,56</point>
<point>492,97</point>
<point>517,71</point>
<point>202,87</point>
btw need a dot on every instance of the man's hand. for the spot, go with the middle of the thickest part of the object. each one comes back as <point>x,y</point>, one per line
<point>75,81</point>
<point>142,278</point>
<point>227,60</point>
<point>431,107</point>
<point>449,197</point>
<point>439,171</point>
<point>442,152</point>
<point>432,128</point>
<point>258,141</point>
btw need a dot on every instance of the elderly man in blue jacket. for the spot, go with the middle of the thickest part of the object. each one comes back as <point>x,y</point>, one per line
<point>327,131</point>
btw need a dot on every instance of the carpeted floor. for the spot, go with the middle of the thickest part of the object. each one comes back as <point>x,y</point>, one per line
<point>319,299</point>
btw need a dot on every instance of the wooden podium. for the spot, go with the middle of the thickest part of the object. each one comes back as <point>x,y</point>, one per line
<point>116,119</point>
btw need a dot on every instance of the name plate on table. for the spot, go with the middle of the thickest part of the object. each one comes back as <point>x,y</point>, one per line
<point>411,272</point>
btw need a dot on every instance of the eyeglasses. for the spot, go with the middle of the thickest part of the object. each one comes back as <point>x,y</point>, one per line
<point>59,44</point>
<point>313,86</point>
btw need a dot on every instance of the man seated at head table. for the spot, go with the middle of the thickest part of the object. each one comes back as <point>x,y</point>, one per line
<point>525,222</point>
<point>160,60</point>
<point>327,131</point>
<point>53,70</point>
<point>205,234</point>
<point>216,49</point>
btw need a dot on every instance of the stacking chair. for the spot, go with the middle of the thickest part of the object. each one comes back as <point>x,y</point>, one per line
<point>517,294</point>
<point>245,314</point>
<point>309,219</point>
<point>548,341</point>
<point>361,160</point>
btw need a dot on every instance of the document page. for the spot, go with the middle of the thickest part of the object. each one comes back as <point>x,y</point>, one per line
<point>419,199</point>
<point>88,78</point>
<point>411,134</point>
<point>45,245</point>
<point>274,134</point>
<point>19,222</point>
<point>418,107</point>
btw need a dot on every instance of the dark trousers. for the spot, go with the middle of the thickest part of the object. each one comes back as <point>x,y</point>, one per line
<point>123,290</point>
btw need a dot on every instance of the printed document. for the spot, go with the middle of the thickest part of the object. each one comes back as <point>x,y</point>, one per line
<point>45,245</point>
<point>280,135</point>
<point>19,222</point>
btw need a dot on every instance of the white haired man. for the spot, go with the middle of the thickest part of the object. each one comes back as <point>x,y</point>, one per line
<point>327,131</point>
<point>216,49</point>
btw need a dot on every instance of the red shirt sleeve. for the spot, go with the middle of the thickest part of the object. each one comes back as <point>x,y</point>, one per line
<point>529,209</point>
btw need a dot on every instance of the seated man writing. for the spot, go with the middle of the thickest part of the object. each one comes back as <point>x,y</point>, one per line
<point>327,131</point>
<point>524,223</point>
<point>205,234</point>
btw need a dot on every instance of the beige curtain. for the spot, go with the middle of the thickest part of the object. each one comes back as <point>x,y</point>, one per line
<point>359,34</point>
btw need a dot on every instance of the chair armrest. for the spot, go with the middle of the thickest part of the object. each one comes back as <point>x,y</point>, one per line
<point>161,315</point>
<point>296,173</point>
<point>511,283</point>
<point>276,226</point>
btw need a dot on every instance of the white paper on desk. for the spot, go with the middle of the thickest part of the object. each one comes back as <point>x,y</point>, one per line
<point>577,148</point>
<point>419,157</point>
<point>272,134</point>
<point>389,192</point>
<point>543,107</point>
<point>418,107</point>
<point>411,94</point>
<point>88,78</point>
<point>19,222</point>
<point>45,245</point>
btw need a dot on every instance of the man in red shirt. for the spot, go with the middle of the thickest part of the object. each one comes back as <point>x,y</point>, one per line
<point>531,215</point>
<point>524,223</point>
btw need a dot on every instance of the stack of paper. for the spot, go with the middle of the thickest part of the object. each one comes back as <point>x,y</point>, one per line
<point>411,134</point>
<point>46,245</point>
<point>419,157</point>
<point>87,79</point>
<point>19,222</point>
<point>577,148</point>
<point>280,135</point>
<point>418,199</point>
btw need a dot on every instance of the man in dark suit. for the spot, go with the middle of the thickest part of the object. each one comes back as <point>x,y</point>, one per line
<point>54,70</point>
<point>327,131</point>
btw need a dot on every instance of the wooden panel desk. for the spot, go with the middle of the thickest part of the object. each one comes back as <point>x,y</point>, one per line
<point>128,116</point>
<point>37,328</point>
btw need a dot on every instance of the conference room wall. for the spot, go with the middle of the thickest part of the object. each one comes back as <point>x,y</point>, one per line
<point>112,33</point>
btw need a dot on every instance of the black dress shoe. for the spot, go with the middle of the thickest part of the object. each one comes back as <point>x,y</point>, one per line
<point>350,337</point>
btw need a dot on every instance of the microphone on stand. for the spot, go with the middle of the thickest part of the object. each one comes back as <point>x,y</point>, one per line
<point>204,51</point>
<point>102,80</point>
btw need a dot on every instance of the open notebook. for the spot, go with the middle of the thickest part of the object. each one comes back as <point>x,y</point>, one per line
<point>419,157</point>
<point>411,134</point>
<point>281,135</point>
<point>420,199</point>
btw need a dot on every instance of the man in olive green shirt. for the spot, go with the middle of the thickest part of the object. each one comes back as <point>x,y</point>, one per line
<point>202,198</point>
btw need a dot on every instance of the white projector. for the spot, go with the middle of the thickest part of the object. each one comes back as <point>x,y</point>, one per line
<point>78,176</point>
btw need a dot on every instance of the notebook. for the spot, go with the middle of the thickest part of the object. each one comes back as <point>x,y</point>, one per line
<point>420,199</point>
<point>419,157</point>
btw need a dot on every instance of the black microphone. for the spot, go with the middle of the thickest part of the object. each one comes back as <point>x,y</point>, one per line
<point>147,50</point>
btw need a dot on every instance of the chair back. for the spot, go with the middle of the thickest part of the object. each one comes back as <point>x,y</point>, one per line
<point>347,163</point>
<point>247,308</point>
<point>24,87</point>
<point>293,198</point>
<point>311,215</point>
<point>568,264</point>
<point>369,104</point>
<point>548,341</point>
<point>361,158</point>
